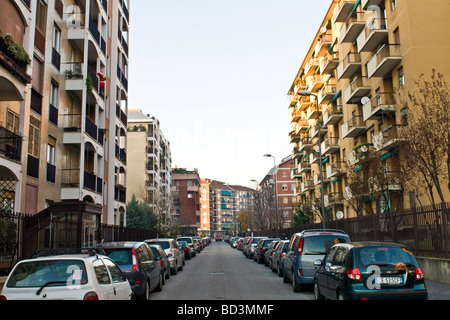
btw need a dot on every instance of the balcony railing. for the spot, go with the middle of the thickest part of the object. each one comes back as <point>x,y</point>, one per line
<point>351,28</point>
<point>353,127</point>
<point>349,66</point>
<point>373,34</point>
<point>333,115</point>
<point>382,103</point>
<point>382,62</point>
<point>10,144</point>
<point>387,139</point>
<point>356,90</point>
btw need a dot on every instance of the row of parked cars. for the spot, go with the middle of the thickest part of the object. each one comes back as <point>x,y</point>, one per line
<point>109,271</point>
<point>337,268</point>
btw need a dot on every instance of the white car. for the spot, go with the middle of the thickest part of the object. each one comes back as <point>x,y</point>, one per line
<point>67,277</point>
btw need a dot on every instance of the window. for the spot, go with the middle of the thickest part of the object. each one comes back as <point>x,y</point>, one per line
<point>41,16</point>
<point>401,77</point>
<point>57,39</point>
<point>34,137</point>
<point>54,94</point>
<point>393,4</point>
<point>51,150</point>
<point>100,272</point>
<point>12,121</point>
<point>404,117</point>
<point>397,37</point>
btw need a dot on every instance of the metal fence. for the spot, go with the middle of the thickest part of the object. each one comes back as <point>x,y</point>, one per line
<point>424,230</point>
<point>20,233</point>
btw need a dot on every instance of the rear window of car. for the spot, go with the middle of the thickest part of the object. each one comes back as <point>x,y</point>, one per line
<point>119,256</point>
<point>267,243</point>
<point>35,274</point>
<point>383,255</point>
<point>163,244</point>
<point>321,244</point>
<point>188,240</point>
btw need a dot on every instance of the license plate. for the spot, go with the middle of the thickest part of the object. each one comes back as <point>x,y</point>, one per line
<point>389,280</point>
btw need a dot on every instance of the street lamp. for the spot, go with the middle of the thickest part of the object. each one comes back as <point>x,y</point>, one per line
<point>276,189</point>
<point>308,93</point>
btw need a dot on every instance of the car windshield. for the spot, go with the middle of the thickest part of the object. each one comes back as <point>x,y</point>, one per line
<point>163,244</point>
<point>188,240</point>
<point>383,255</point>
<point>119,256</point>
<point>321,244</point>
<point>36,274</point>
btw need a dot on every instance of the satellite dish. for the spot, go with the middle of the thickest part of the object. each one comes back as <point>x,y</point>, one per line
<point>339,214</point>
<point>364,149</point>
<point>323,30</point>
<point>365,101</point>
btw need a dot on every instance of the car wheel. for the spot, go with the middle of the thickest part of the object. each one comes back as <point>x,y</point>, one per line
<point>146,295</point>
<point>341,296</point>
<point>285,277</point>
<point>160,284</point>
<point>295,285</point>
<point>317,294</point>
<point>174,271</point>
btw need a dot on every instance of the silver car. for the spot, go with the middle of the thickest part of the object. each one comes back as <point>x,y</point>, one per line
<point>304,248</point>
<point>173,251</point>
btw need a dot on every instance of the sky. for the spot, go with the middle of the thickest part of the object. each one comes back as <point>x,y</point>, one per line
<point>216,73</point>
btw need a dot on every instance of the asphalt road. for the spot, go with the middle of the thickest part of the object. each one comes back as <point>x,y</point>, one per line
<point>220,272</point>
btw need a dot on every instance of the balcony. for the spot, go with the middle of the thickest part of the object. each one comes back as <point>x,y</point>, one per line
<point>294,136</point>
<point>302,126</point>
<point>353,127</point>
<point>74,77</point>
<point>382,63</point>
<point>333,115</point>
<point>296,115</point>
<point>317,179</point>
<point>303,103</point>
<point>373,34</point>
<point>323,44</point>
<point>293,100</point>
<point>311,66</point>
<point>387,139</point>
<point>304,167</point>
<point>349,66</point>
<point>305,144</point>
<point>343,10</point>
<point>356,91</point>
<point>316,83</point>
<point>381,104</point>
<point>314,157</point>
<point>10,145</point>
<point>367,3</point>
<point>315,130</point>
<point>331,145</point>
<point>336,169</point>
<point>328,92</point>
<point>351,28</point>
<point>333,199</point>
<point>360,154</point>
<point>299,85</point>
<point>313,112</point>
<point>329,63</point>
<point>307,185</point>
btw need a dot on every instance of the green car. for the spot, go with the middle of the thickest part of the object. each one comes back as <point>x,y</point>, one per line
<point>369,270</point>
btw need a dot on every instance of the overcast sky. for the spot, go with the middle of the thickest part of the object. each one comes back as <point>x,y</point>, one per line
<point>216,74</point>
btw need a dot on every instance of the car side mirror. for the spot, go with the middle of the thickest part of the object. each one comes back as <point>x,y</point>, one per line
<point>318,263</point>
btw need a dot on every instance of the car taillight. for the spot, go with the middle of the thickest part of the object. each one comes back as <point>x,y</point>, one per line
<point>283,254</point>
<point>300,272</point>
<point>354,274</point>
<point>90,296</point>
<point>3,298</point>
<point>300,247</point>
<point>133,259</point>
<point>262,250</point>
<point>419,274</point>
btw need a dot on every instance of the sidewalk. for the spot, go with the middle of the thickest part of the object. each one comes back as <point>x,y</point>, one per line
<point>437,290</point>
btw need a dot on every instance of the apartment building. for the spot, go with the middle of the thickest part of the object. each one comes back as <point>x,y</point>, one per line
<point>63,114</point>
<point>149,164</point>
<point>186,200</point>
<point>226,203</point>
<point>364,52</point>
<point>286,190</point>
<point>205,205</point>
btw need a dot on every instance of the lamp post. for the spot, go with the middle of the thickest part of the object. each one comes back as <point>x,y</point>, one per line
<point>257,205</point>
<point>276,190</point>
<point>308,93</point>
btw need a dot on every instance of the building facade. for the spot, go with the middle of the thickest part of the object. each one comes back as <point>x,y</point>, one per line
<point>186,200</point>
<point>63,112</point>
<point>365,54</point>
<point>149,153</point>
<point>285,191</point>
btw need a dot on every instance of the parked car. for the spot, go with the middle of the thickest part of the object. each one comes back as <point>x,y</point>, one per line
<point>304,248</point>
<point>250,248</point>
<point>200,243</point>
<point>173,251</point>
<point>187,252</point>
<point>191,243</point>
<point>259,254</point>
<point>86,276</point>
<point>278,257</point>
<point>268,255</point>
<point>369,270</point>
<point>138,264</point>
<point>163,259</point>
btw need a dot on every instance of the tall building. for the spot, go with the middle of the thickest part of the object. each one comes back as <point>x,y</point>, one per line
<point>149,164</point>
<point>226,202</point>
<point>186,200</point>
<point>285,191</point>
<point>205,205</point>
<point>362,54</point>
<point>63,113</point>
